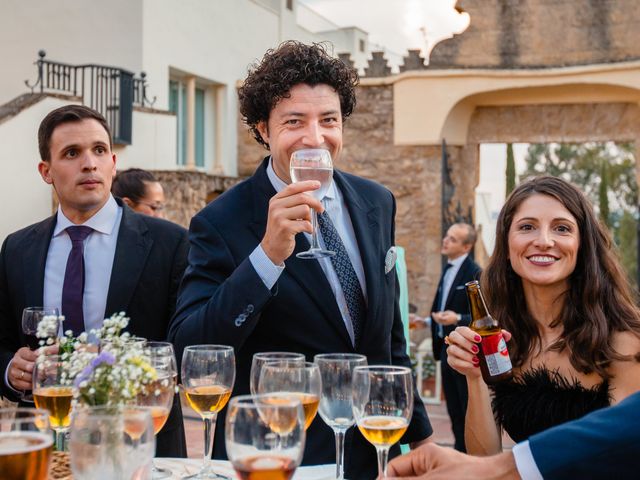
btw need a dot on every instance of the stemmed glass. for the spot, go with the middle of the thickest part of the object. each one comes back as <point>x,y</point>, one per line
<point>52,393</point>
<point>336,401</point>
<point>265,439</point>
<point>382,406</point>
<point>313,164</point>
<point>292,379</point>
<point>259,359</point>
<point>159,395</point>
<point>31,317</point>
<point>25,443</point>
<point>208,374</point>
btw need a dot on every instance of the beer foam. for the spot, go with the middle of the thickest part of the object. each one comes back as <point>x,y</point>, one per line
<point>12,443</point>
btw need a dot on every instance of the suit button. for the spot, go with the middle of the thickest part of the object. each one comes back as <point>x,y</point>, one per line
<point>249,308</point>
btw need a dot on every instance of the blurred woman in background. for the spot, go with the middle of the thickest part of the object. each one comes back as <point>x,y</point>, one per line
<point>140,190</point>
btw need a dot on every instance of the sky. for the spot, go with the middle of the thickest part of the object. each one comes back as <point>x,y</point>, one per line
<point>396,24</point>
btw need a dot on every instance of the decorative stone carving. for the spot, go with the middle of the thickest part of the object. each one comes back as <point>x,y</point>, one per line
<point>377,66</point>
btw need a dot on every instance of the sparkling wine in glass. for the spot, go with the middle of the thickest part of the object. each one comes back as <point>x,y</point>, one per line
<point>25,444</point>
<point>31,317</point>
<point>208,374</point>
<point>336,401</point>
<point>313,164</point>
<point>159,395</point>
<point>291,379</point>
<point>259,359</point>
<point>51,392</point>
<point>382,406</point>
<point>258,446</point>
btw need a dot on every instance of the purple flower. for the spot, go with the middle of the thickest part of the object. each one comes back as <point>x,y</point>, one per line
<point>103,357</point>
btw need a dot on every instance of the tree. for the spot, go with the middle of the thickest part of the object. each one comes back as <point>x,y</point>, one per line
<point>511,170</point>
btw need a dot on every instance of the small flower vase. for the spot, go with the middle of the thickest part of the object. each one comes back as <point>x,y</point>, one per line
<point>111,443</point>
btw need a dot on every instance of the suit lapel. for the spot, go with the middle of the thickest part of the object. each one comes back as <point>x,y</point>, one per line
<point>132,250</point>
<point>307,273</point>
<point>364,218</point>
<point>34,260</point>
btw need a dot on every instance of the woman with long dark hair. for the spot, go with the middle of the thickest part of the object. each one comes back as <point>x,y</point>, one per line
<point>555,283</point>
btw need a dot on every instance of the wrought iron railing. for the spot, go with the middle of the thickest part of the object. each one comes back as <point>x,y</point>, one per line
<point>111,91</point>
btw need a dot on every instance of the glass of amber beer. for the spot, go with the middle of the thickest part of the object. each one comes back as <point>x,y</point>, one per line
<point>52,393</point>
<point>208,373</point>
<point>382,406</point>
<point>265,439</point>
<point>25,444</point>
<point>300,380</point>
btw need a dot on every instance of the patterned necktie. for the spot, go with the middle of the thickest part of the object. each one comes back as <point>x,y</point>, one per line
<point>73,287</point>
<point>442,299</point>
<point>346,274</point>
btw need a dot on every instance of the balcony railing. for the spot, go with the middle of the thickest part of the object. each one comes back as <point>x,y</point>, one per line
<point>111,91</point>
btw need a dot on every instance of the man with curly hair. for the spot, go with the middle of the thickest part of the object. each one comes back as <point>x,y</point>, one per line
<point>244,285</point>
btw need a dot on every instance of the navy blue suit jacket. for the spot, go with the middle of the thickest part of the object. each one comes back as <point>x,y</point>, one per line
<point>456,301</point>
<point>223,300</point>
<point>147,268</point>
<point>604,444</point>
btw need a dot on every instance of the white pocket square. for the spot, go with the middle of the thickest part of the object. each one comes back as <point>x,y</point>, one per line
<point>390,260</point>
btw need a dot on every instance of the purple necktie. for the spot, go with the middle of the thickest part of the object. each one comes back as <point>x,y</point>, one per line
<point>73,287</point>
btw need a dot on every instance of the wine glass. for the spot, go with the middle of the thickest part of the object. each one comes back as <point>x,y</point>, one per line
<point>259,359</point>
<point>111,443</point>
<point>336,401</point>
<point>382,406</point>
<point>265,439</point>
<point>158,396</point>
<point>52,392</point>
<point>31,317</point>
<point>25,443</point>
<point>293,379</point>
<point>313,164</point>
<point>208,374</point>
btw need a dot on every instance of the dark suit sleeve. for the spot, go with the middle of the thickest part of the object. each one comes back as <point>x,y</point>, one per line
<point>178,267</point>
<point>219,301</point>
<point>9,336</point>
<point>420,427</point>
<point>603,444</point>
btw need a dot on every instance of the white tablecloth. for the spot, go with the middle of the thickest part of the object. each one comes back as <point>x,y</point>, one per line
<point>182,466</point>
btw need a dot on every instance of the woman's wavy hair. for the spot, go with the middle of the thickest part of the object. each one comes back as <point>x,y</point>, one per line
<point>599,299</point>
<point>293,63</point>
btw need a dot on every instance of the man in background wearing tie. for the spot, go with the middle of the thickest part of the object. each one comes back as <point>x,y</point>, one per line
<point>93,258</point>
<point>244,285</point>
<point>451,308</point>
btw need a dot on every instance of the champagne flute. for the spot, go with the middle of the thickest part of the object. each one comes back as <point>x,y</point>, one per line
<point>52,393</point>
<point>25,444</point>
<point>159,395</point>
<point>313,164</point>
<point>31,317</point>
<point>336,401</point>
<point>382,406</point>
<point>257,445</point>
<point>293,379</point>
<point>259,359</point>
<point>208,374</point>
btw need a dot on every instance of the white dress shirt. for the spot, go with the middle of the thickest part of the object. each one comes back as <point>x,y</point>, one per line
<point>449,277</point>
<point>525,463</point>
<point>99,252</point>
<point>339,215</point>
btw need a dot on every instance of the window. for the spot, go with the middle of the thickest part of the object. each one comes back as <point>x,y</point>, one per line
<point>290,4</point>
<point>178,105</point>
<point>362,45</point>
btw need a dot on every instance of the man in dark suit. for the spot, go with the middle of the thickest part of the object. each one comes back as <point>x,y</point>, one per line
<point>244,285</point>
<point>601,445</point>
<point>128,262</point>
<point>450,308</point>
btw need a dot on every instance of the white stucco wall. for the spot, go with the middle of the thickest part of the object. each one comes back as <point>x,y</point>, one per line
<point>70,31</point>
<point>24,196</point>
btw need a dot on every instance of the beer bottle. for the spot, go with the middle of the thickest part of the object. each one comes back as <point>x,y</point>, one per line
<point>495,363</point>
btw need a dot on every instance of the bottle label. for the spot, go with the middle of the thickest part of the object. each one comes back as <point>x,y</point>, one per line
<point>495,353</point>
